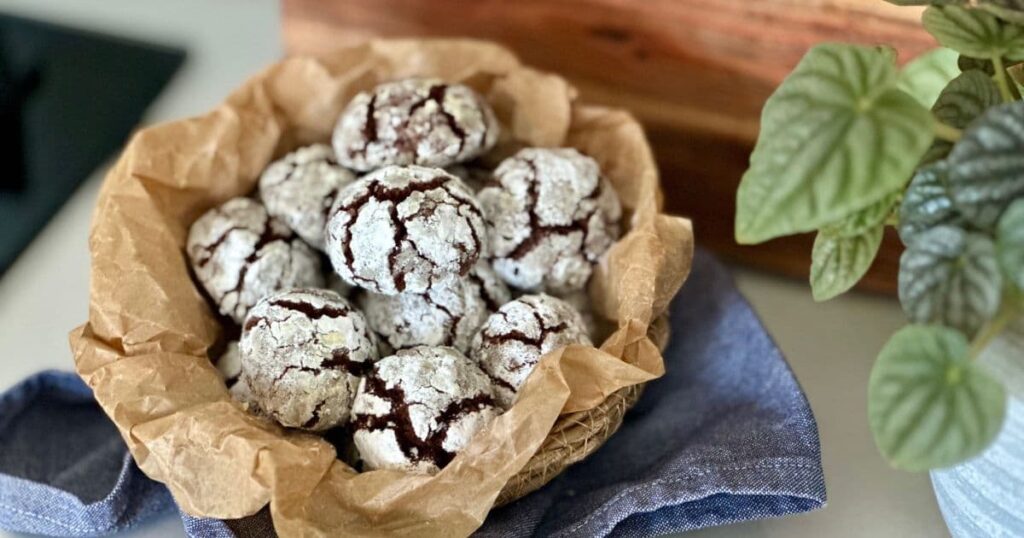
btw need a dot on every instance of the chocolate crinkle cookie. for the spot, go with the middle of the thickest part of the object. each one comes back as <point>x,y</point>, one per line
<point>303,352</point>
<point>300,189</point>
<point>229,364</point>
<point>447,314</point>
<point>418,408</point>
<point>241,254</point>
<point>414,121</point>
<point>403,227</point>
<point>551,216</point>
<point>512,340</point>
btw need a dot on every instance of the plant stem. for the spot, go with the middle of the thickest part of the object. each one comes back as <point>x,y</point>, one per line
<point>1001,79</point>
<point>945,132</point>
<point>1007,312</point>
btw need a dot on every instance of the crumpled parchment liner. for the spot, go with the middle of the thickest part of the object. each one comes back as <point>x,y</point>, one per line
<point>144,349</point>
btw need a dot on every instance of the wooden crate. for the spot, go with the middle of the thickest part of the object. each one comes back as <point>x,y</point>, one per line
<point>695,72</point>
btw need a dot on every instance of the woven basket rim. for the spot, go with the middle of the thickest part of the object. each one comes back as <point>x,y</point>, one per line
<point>573,437</point>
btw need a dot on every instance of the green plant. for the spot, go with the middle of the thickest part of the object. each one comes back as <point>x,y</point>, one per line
<point>850,144</point>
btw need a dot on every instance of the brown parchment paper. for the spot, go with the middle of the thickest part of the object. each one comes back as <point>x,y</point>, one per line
<point>144,350</point>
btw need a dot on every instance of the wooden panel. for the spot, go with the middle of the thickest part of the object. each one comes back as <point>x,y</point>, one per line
<point>696,72</point>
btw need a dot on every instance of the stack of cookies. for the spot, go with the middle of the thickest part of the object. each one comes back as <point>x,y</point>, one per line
<point>391,286</point>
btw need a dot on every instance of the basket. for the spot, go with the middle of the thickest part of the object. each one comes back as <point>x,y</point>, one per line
<point>574,437</point>
<point>145,349</point>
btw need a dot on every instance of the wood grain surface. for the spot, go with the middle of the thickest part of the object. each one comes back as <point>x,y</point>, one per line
<point>695,72</point>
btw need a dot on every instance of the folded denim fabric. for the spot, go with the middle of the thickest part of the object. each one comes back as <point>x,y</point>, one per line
<point>726,435</point>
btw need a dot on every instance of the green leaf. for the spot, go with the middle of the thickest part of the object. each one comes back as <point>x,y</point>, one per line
<point>928,405</point>
<point>1008,10</point>
<point>974,33</point>
<point>986,167</point>
<point>961,102</point>
<point>926,76</point>
<point>836,136</point>
<point>838,262</point>
<point>843,251</point>
<point>865,219</point>
<point>927,202</point>
<point>951,277</point>
<point>965,98</point>
<point>966,63</point>
<point>1010,243</point>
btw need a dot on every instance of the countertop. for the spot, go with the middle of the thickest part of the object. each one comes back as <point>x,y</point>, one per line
<point>830,346</point>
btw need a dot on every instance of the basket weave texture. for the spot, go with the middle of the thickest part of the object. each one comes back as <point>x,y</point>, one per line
<point>574,437</point>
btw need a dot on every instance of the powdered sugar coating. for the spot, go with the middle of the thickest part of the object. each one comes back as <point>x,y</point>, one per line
<point>303,352</point>
<point>241,254</point>
<point>551,215</point>
<point>229,364</point>
<point>403,227</point>
<point>418,408</point>
<point>512,340</point>
<point>414,121</point>
<point>300,189</point>
<point>447,314</point>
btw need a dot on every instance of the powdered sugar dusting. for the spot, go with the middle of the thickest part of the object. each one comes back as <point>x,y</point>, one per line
<point>240,254</point>
<point>419,407</point>
<point>229,364</point>
<point>401,228</point>
<point>513,339</point>
<point>447,314</point>
<point>414,121</point>
<point>303,352</point>
<point>300,189</point>
<point>551,215</point>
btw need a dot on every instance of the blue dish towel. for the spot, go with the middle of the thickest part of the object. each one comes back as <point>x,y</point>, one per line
<point>726,435</point>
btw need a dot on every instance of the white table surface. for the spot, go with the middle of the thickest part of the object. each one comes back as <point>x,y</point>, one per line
<point>830,346</point>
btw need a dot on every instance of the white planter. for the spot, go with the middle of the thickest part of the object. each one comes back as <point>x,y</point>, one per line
<point>984,497</point>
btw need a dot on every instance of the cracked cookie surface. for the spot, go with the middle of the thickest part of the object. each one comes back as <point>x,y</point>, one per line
<point>512,340</point>
<point>402,228</point>
<point>414,121</point>
<point>447,314</point>
<point>550,216</point>
<point>241,254</point>
<point>417,409</point>
<point>300,188</point>
<point>303,353</point>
